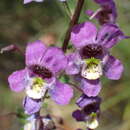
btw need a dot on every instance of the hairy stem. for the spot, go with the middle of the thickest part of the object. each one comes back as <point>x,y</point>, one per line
<point>76,87</point>
<point>73,21</point>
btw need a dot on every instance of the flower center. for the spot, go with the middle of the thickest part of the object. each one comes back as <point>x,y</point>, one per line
<point>92,69</point>
<point>38,83</point>
<point>91,50</point>
<point>37,88</point>
<point>90,108</point>
<point>41,71</point>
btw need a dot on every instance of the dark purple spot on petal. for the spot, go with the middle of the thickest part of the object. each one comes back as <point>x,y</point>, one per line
<point>41,71</point>
<point>55,64</point>
<point>91,50</point>
<point>49,59</point>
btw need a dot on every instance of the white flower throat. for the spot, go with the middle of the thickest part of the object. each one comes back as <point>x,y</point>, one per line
<point>92,69</point>
<point>36,88</point>
<point>92,122</point>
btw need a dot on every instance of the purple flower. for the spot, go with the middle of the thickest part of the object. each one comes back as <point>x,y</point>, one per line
<point>92,59</point>
<point>42,67</point>
<point>106,14</point>
<point>28,1</point>
<point>89,112</point>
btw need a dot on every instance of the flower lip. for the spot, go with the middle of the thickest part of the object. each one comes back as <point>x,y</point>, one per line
<point>91,50</point>
<point>41,71</point>
<point>92,69</point>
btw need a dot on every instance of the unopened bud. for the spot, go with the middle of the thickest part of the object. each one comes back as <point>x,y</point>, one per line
<point>8,48</point>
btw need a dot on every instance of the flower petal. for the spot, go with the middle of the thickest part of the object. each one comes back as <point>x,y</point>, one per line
<point>106,14</point>
<point>34,53</point>
<point>113,68</point>
<point>54,59</point>
<point>62,0</point>
<point>28,1</point>
<point>17,80</point>
<point>89,12</point>
<point>109,35</point>
<point>31,106</point>
<point>78,115</point>
<point>103,1</point>
<point>91,87</point>
<point>85,100</point>
<point>61,93</point>
<point>73,66</point>
<point>83,34</point>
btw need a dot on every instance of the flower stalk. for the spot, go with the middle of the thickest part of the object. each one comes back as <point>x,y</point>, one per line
<point>73,21</point>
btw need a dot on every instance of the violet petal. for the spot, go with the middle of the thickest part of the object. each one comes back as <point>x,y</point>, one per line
<point>109,35</point>
<point>83,34</point>
<point>31,106</point>
<point>113,68</point>
<point>85,101</point>
<point>17,80</point>
<point>91,87</point>
<point>61,93</point>
<point>28,1</point>
<point>78,115</point>
<point>34,53</point>
<point>54,59</point>
<point>73,67</point>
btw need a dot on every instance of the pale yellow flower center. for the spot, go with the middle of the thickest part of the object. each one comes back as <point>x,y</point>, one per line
<point>92,69</point>
<point>38,84</point>
<point>36,88</point>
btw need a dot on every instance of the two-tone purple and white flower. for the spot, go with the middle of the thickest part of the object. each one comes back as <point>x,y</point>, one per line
<point>40,75</point>
<point>106,14</point>
<point>89,111</point>
<point>28,1</point>
<point>92,59</point>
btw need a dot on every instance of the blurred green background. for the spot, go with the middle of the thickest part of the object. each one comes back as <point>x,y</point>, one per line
<point>47,21</point>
